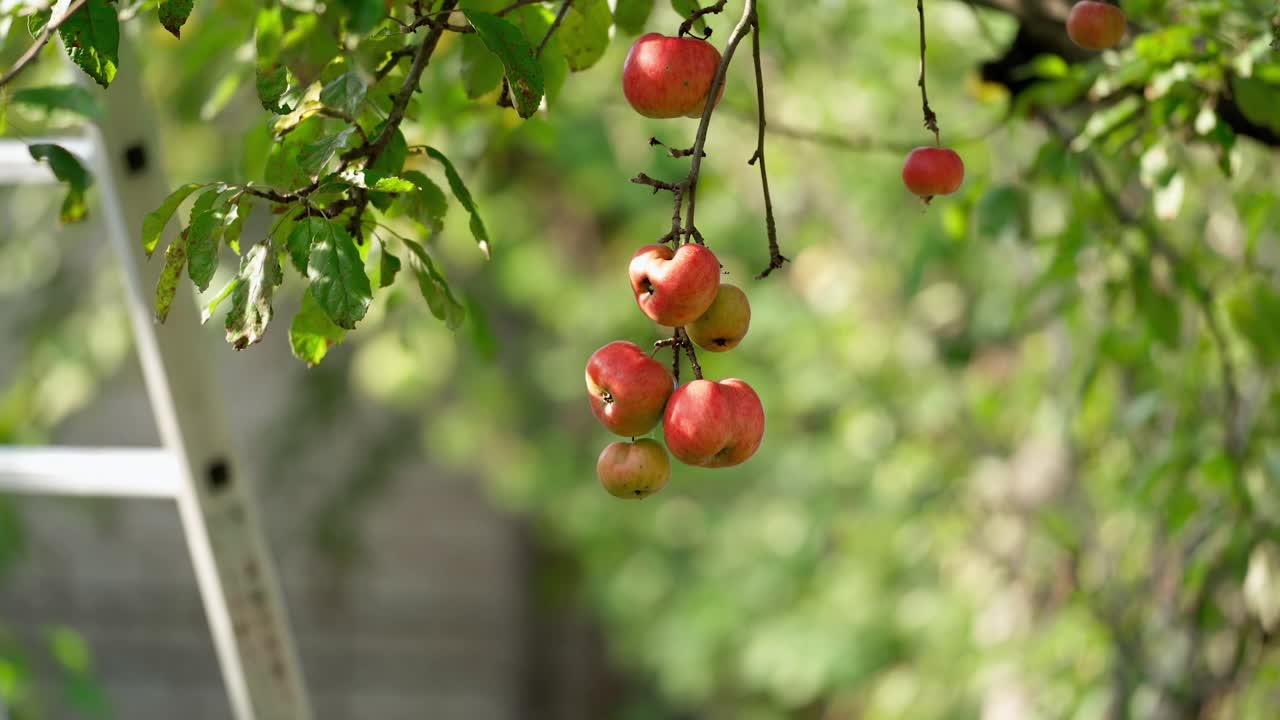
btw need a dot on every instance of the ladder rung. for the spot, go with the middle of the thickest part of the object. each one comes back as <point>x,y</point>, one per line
<point>103,472</point>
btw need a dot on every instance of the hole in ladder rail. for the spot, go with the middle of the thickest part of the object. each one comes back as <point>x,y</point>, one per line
<point>218,475</point>
<point>135,158</point>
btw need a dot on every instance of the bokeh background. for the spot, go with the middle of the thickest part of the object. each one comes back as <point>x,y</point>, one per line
<point>993,484</point>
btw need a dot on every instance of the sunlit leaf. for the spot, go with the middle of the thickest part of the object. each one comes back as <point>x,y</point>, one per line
<point>584,34</point>
<point>92,39</point>
<point>312,332</point>
<point>338,279</point>
<point>251,308</point>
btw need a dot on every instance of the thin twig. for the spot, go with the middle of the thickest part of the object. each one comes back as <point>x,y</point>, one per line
<point>564,10</point>
<point>675,356</point>
<point>930,117</point>
<point>689,352</point>
<point>691,183</point>
<point>673,152</point>
<point>400,102</point>
<point>776,258</point>
<point>697,15</point>
<point>393,59</point>
<point>45,36</point>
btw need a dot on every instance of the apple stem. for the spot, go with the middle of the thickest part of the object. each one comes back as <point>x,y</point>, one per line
<point>683,341</point>
<point>697,14</point>
<point>930,117</point>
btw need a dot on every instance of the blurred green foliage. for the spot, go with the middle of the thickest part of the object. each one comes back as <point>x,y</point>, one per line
<point>1022,454</point>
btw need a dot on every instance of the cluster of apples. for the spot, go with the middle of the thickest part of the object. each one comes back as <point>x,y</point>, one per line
<point>705,423</point>
<point>931,171</point>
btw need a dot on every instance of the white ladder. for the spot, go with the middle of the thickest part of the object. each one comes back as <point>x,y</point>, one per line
<point>197,465</point>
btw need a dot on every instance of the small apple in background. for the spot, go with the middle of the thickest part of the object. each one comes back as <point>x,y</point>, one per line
<point>725,323</point>
<point>933,171</point>
<point>629,389</point>
<point>635,470</point>
<point>714,424</point>
<point>667,77</point>
<point>674,288</point>
<point>1095,25</point>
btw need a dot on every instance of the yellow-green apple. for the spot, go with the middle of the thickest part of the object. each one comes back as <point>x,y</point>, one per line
<point>674,287</point>
<point>931,171</point>
<point>667,77</point>
<point>725,323</point>
<point>629,389</point>
<point>1095,25</point>
<point>714,424</point>
<point>634,470</point>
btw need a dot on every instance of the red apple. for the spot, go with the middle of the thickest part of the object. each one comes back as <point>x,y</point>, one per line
<point>635,470</point>
<point>933,171</point>
<point>725,323</point>
<point>1095,25</point>
<point>714,424</point>
<point>667,77</point>
<point>629,389</point>
<point>674,287</point>
<point>697,112</point>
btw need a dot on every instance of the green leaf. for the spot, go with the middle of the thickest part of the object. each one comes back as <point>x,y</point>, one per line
<point>631,15</point>
<point>464,197</point>
<point>1254,307</point>
<point>524,74</point>
<point>312,332</point>
<point>175,260</point>
<point>204,235</point>
<point>67,168</point>
<point>338,280</point>
<point>283,168</point>
<point>1258,101</point>
<point>302,238</point>
<point>387,183</point>
<point>212,307</point>
<point>1001,209</point>
<point>92,39</point>
<point>345,93</point>
<point>435,289</point>
<point>584,34</point>
<point>388,267</point>
<point>391,161</point>
<point>153,224</point>
<point>174,14</point>
<point>233,222</point>
<point>481,69</point>
<point>535,22</point>
<point>1162,312</point>
<point>251,309</point>
<point>71,651</point>
<point>1104,122</point>
<point>316,155</point>
<point>364,14</point>
<point>272,74</point>
<point>69,98</point>
<point>426,205</point>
